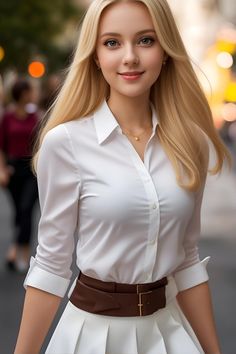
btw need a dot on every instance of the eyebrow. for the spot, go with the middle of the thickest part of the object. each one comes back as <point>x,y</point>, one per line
<point>119,35</point>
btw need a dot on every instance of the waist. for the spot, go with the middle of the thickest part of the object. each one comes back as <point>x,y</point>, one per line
<point>117,299</point>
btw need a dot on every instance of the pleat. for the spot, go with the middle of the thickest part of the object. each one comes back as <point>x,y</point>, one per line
<point>94,336</point>
<point>176,339</point>
<point>165,332</point>
<point>67,333</point>
<point>179,316</point>
<point>150,339</point>
<point>122,337</point>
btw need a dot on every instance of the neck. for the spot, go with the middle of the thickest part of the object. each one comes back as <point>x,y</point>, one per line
<point>131,113</point>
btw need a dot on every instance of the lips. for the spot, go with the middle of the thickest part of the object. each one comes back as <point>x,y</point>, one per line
<point>131,76</point>
<point>132,73</point>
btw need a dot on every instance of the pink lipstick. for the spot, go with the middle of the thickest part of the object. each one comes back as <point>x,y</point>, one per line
<point>132,75</point>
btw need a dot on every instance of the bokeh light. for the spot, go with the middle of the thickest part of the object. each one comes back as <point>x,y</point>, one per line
<point>229,112</point>
<point>226,46</point>
<point>36,69</point>
<point>224,60</point>
<point>230,93</point>
<point>2,53</point>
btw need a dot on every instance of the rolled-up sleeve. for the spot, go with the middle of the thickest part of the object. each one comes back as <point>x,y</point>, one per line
<point>59,188</point>
<point>192,271</point>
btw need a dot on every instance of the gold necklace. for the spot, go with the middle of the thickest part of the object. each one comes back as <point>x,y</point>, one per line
<point>136,137</point>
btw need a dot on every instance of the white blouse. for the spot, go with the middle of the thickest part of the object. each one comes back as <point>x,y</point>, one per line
<point>129,219</point>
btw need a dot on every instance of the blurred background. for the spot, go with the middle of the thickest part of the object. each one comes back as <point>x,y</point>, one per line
<point>37,38</point>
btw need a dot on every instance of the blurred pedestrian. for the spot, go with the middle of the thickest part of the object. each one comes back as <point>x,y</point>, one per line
<point>122,164</point>
<point>16,133</point>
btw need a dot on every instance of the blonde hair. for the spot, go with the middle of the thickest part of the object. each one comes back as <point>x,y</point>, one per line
<point>176,95</point>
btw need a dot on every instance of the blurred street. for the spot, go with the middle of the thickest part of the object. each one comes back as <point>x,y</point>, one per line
<point>218,240</point>
<point>38,39</point>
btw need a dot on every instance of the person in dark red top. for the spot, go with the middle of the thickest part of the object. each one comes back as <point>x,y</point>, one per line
<point>16,136</point>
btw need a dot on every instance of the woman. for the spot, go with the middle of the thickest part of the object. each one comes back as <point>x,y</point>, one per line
<point>16,135</point>
<point>127,156</point>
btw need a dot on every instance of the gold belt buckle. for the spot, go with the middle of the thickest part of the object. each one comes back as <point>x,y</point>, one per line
<point>140,303</point>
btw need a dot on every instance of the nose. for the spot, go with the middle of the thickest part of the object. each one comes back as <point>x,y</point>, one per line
<point>130,56</point>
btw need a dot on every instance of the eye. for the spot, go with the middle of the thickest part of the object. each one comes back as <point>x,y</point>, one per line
<point>111,43</point>
<point>148,41</point>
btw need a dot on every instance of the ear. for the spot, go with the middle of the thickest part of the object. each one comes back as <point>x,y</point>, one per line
<point>165,58</point>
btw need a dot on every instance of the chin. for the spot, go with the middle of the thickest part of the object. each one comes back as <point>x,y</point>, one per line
<point>135,93</point>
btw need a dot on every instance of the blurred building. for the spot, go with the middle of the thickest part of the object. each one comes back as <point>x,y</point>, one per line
<point>228,9</point>
<point>208,28</point>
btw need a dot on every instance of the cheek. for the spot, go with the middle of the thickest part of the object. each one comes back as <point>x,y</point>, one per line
<point>155,68</point>
<point>108,65</point>
<point>108,61</point>
<point>155,61</point>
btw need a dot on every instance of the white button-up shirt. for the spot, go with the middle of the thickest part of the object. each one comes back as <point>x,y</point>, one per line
<point>131,221</point>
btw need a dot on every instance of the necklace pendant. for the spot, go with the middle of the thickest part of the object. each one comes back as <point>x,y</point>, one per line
<point>136,138</point>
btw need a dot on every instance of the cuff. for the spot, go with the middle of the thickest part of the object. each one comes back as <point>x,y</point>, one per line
<point>192,276</point>
<point>41,279</point>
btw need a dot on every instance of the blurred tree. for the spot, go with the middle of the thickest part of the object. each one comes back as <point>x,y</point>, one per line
<point>31,28</point>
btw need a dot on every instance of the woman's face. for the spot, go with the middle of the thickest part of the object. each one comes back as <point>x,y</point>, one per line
<point>128,51</point>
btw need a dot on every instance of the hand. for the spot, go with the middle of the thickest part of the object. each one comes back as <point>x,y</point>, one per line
<point>5,174</point>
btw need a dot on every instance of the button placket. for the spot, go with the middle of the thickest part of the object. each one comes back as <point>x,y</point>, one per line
<point>153,242</point>
<point>154,213</point>
<point>154,220</point>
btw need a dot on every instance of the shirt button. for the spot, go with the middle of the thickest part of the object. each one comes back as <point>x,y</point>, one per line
<point>152,242</point>
<point>154,206</point>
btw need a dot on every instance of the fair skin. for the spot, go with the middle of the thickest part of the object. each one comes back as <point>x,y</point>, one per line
<point>5,171</point>
<point>132,48</point>
<point>126,51</point>
<point>39,310</point>
<point>197,307</point>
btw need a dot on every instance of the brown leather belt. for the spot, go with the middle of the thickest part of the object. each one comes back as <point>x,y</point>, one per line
<point>114,299</point>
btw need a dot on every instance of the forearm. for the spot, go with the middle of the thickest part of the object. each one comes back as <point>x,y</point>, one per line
<point>197,307</point>
<point>5,170</point>
<point>2,160</point>
<point>39,311</point>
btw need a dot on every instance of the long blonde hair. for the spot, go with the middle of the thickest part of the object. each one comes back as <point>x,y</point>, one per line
<point>176,95</point>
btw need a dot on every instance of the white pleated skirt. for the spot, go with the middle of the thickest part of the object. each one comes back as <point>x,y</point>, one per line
<point>166,331</point>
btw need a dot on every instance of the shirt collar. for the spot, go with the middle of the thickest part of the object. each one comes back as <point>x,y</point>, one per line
<point>106,123</point>
<point>155,120</point>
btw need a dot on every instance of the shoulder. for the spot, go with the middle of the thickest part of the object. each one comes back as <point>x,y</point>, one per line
<point>64,133</point>
<point>56,144</point>
<point>80,125</point>
<point>55,136</point>
<point>56,150</point>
